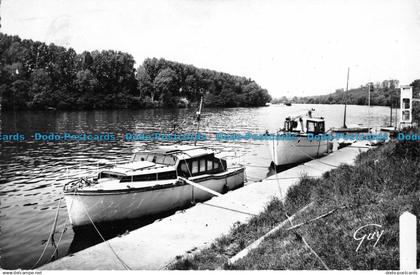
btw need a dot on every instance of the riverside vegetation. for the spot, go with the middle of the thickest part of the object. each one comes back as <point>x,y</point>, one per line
<point>383,183</point>
<point>37,76</point>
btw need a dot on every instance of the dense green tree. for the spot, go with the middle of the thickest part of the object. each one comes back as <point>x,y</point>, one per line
<point>169,81</point>
<point>145,84</point>
<point>34,75</point>
<point>166,85</point>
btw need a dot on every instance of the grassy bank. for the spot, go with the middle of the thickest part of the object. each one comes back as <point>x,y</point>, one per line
<point>383,183</point>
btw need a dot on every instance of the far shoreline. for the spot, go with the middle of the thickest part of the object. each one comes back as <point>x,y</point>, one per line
<point>176,108</point>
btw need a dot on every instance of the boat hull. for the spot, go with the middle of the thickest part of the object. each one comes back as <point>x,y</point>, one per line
<point>105,206</point>
<point>289,152</point>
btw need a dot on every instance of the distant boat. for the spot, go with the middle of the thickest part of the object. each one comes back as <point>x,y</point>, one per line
<point>351,129</point>
<point>391,131</point>
<point>153,182</point>
<point>291,151</point>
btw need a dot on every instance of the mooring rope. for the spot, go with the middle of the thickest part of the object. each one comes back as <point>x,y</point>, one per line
<point>291,178</point>
<point>50,236</point>
<point>201,187</point>
<point>332,165</point>
<point>59,240</point>
<point>229,209</point>
<point>126,266</point>
<point>276,175</point>
<point>244,252</point>
<point>256,166</point>
<point>64,230</point>
<point>290,219</point>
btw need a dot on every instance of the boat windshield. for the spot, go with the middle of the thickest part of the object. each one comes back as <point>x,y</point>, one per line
<point>103,175</point>
<point>156,158</point>
<point>315,127</point>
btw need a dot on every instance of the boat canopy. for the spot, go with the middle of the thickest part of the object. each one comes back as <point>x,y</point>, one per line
<point>154,158</point>
<point>315,126</point>
<point>167,154</point>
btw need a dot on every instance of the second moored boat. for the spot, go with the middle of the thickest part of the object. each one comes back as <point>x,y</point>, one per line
<point>286,152</point>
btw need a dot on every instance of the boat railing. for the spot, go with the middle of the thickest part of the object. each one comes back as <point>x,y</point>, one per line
<point>89,169</point>
<point>78,183</point>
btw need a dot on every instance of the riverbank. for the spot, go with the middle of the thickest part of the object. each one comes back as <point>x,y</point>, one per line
<point>383,183</point>
<point>160,244</point>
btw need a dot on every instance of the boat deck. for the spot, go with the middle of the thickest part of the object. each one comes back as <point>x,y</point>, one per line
<point>116,185</point>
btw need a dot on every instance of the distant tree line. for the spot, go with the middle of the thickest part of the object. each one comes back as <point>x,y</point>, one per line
<point>385,93</point>
<point>34,75</point>
<point>170,83</point>
<point>279,100</point>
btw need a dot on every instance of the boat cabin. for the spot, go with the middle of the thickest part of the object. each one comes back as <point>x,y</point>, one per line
<point>308,125</point>
<point>206,164</point>
<point>167,162</point>
<point>315,126</point>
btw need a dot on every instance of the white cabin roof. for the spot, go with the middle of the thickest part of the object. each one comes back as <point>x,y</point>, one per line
<point>131,167</point>
<point>147,167</point>
<point>140,168</point>
<point>183,151</point>
<point>316,119</point>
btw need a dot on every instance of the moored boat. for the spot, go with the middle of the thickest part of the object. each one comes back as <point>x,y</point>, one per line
<point>310,140</point>
<point>348,129</point>
<point>351,129</point>
<point>154,181</point>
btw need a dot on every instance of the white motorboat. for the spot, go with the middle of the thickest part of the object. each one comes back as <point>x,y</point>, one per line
<point>154,181</point>
<point>309,140</point>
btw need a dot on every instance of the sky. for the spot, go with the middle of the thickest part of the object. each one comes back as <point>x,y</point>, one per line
<point>289,47</point>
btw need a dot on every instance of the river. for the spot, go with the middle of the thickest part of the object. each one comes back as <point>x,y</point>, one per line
<point>32,173</point>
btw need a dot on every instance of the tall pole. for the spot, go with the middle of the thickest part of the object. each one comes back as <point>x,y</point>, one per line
<point>390,117</point>
<point>198,120</point>
<point>396,116</point>
<point>369,105</point>
<point>345,99</point>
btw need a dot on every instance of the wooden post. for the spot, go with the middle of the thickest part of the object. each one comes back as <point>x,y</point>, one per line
<point>408,241</point>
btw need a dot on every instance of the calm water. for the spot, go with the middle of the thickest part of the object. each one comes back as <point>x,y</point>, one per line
<point>32,173</point>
